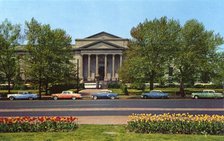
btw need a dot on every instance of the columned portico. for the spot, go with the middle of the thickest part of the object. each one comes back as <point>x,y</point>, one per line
<point>101,61</point>
<point>100,56</point>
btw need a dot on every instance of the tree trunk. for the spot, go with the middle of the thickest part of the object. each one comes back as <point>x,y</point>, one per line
<point>40,84</point>
<point>46,88</point>
<point>181,83</point>
<point>151,81</point>
<point>9,87</point>
<point>39,87</point>
<point>182,93</point>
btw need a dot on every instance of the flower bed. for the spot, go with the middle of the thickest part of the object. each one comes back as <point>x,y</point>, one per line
<point>37,124</point>
<point>176,124</point>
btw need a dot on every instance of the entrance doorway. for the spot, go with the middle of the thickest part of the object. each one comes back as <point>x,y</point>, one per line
<point>101,73</point>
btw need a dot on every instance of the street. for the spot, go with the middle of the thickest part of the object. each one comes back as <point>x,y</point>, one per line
<point>110,107</point>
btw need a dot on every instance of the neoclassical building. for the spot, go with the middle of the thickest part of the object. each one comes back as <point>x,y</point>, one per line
<point>99,56</point>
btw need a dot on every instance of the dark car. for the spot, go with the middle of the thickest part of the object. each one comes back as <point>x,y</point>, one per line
<point>155,94</point>
<point>104,94</point>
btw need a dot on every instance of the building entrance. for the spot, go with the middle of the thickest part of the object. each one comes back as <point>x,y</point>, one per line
<point>101,73</point>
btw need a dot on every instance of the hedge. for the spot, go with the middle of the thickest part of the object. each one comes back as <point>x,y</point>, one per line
<point>176,124</point>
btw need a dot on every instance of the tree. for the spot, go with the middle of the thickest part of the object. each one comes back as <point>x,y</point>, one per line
<point>49,54</point>
<point>219,69</point>
<point>9,36</point>
<point>194,52</point>
<point>150,50</point>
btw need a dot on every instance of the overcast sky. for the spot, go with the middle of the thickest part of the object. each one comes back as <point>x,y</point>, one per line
<point>82,18</point>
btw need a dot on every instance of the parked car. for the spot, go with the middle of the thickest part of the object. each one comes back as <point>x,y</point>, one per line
<point>66,95</point>
<point>155,94</point>
<point>104,94</point>
<point>207,94</point>
<point>23,95</point>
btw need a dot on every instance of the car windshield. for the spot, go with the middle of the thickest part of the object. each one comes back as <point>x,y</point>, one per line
<point>23,92</point>
<point>105,91</point>
<point>156,91</point>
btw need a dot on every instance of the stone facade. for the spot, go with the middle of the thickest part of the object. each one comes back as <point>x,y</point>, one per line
<point>99,55</point>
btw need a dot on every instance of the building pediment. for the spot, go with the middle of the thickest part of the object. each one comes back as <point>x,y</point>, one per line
<point>101,45</point>
<point>103,35</point>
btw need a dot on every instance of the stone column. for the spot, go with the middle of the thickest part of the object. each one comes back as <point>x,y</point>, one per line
<point>105,68</point>
<point>89,77</point>
<point>120,60</point>
<point>81,67</point>
<point>97,65</point>
<point>113,71</point>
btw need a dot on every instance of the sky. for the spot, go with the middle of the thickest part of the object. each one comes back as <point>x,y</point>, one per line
<point>82,18</point>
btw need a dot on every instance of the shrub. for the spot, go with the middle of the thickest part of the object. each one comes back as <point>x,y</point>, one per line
<point>62,87</point>
<point>37,124</point>
<point>177,123</point>
<point>124,89</point>
<point>138,86</point>
<point>114,85</point>
<point>211,86</point>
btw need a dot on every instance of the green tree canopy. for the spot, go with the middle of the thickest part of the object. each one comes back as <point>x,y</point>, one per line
<point>150,50</point>
<point>9,36</point>
<point>195,51</point>
<point>49,54</point>
<point>190,49</point>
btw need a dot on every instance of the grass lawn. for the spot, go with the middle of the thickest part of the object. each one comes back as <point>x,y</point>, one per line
<point>103,133</point>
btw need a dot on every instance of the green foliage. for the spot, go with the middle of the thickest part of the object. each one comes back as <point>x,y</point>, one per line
<point>138,86</point>
<point>50,57</point>
<point>195,52</point>
<point>9,36</point>
<point>149,50</point>
<point>124,89</point>
<point>58,88</point>
<point>163,43</point>
<point>212,86</point>
<point>114,85</point>
<point>218,78</point>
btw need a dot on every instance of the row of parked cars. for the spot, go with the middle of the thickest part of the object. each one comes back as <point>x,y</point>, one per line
<point>108,94</point>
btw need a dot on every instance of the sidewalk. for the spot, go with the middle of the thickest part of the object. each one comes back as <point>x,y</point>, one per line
<point>102,119</point>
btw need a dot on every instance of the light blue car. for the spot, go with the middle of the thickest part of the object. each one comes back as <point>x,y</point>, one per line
<point>104,94</point>
<point>23,95</point>
<point>155,94</point>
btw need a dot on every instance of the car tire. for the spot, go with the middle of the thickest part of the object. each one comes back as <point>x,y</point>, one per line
<point>145,97</point>
<point>11,98</point>
<point>95,97</point>
<point>112,97</point>
<point>55,98</point>
<point>196,97</point>
<point>30,98</point>
<point>73,98</point>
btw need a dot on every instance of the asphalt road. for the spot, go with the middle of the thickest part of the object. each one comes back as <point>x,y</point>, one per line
<point>110,107</point>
